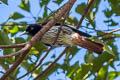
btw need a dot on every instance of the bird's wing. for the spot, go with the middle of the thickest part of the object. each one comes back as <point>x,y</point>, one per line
<point>79,32</point>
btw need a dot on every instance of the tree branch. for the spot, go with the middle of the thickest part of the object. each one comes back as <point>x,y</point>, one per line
<point>52,22</point>
<point>36,65</point>
<point>51,65</point>
<point>13,46</point>
<point>38,36</point>
<point>109,32</point>
<point>48,49</point>
<point>85,13</point>
<point>25,50</point>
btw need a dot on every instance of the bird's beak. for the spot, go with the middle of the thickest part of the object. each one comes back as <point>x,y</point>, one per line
<point>23,33</point>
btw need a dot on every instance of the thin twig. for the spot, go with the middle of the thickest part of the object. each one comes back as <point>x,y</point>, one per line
<point>37,64</point>
<point>52,22</point>
<point>47,50</point>
<point>25,50</point>
<point>71,2</point>
<point>51,65</point>
<point>109,38</point>
<point>46,18</point>
<point>38,36</point>
<point>33,16</point>
<point>58,33</point>
<point>11,77</point>
<point>109,32</point>
<point>13,24</point>
<point>85,13</point>
<point>112,31</point>
<point>13,46</point>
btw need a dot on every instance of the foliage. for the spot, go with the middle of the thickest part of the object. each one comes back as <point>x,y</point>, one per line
<point>94,65</point>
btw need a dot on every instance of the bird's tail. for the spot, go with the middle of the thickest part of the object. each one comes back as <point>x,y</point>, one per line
<point>90,45</point>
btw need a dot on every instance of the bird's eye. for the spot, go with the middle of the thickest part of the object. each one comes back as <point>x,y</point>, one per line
<point>31,28</point>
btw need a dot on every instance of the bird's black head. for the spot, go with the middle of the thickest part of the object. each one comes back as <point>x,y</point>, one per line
<point>33,29</point>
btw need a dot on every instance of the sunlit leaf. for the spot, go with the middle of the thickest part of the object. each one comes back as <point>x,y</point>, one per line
<point>72,21</point>
<point>113,75</point>
<point>82,72</point>
<point>33,51</point>
<point>72,69</point>
<point>14,29</point>
<point>116,35</point>
<point>102,73</point>
<point>25,5</point>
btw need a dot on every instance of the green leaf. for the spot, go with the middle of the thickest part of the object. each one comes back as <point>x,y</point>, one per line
<point>80,8</point>
<point>5,1</point>
<point>100,60</point>
<point>16,16</point>
<point>17,71</point>
<point>4,40</point>
<point>113,75</point>
<point>113,23</point>
<point>58,1</point>
<point>44,2</point>
<point>14,29</point>
<point>72,51</point>
<point>115,5</point>
<point>102,73</point>
<point>71,20</point>
<point>50,71</point>
<point>45,11</point>
<point>33,51</point>
<point>108,13</point>
<point>82,72</point>
<point>106,48</point>
<point>39,46</point>
<point>25,5</point>
<point>116,35</point>
<point>19,40</point>
<point>28,66</point>
<point>107,21</point>
<point>71,69</point>
<point>89,57</point>
<point>92,16</point>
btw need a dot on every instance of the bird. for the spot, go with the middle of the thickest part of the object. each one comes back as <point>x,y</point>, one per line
<point>68,36</point>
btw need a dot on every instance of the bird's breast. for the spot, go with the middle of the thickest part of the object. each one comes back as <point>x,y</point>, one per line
<point>64,37</point>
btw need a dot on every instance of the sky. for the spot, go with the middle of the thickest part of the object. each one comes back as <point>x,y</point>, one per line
<point>13,7</point>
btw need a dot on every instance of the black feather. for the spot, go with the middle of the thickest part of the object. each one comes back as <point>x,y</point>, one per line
<point>37,27</point>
